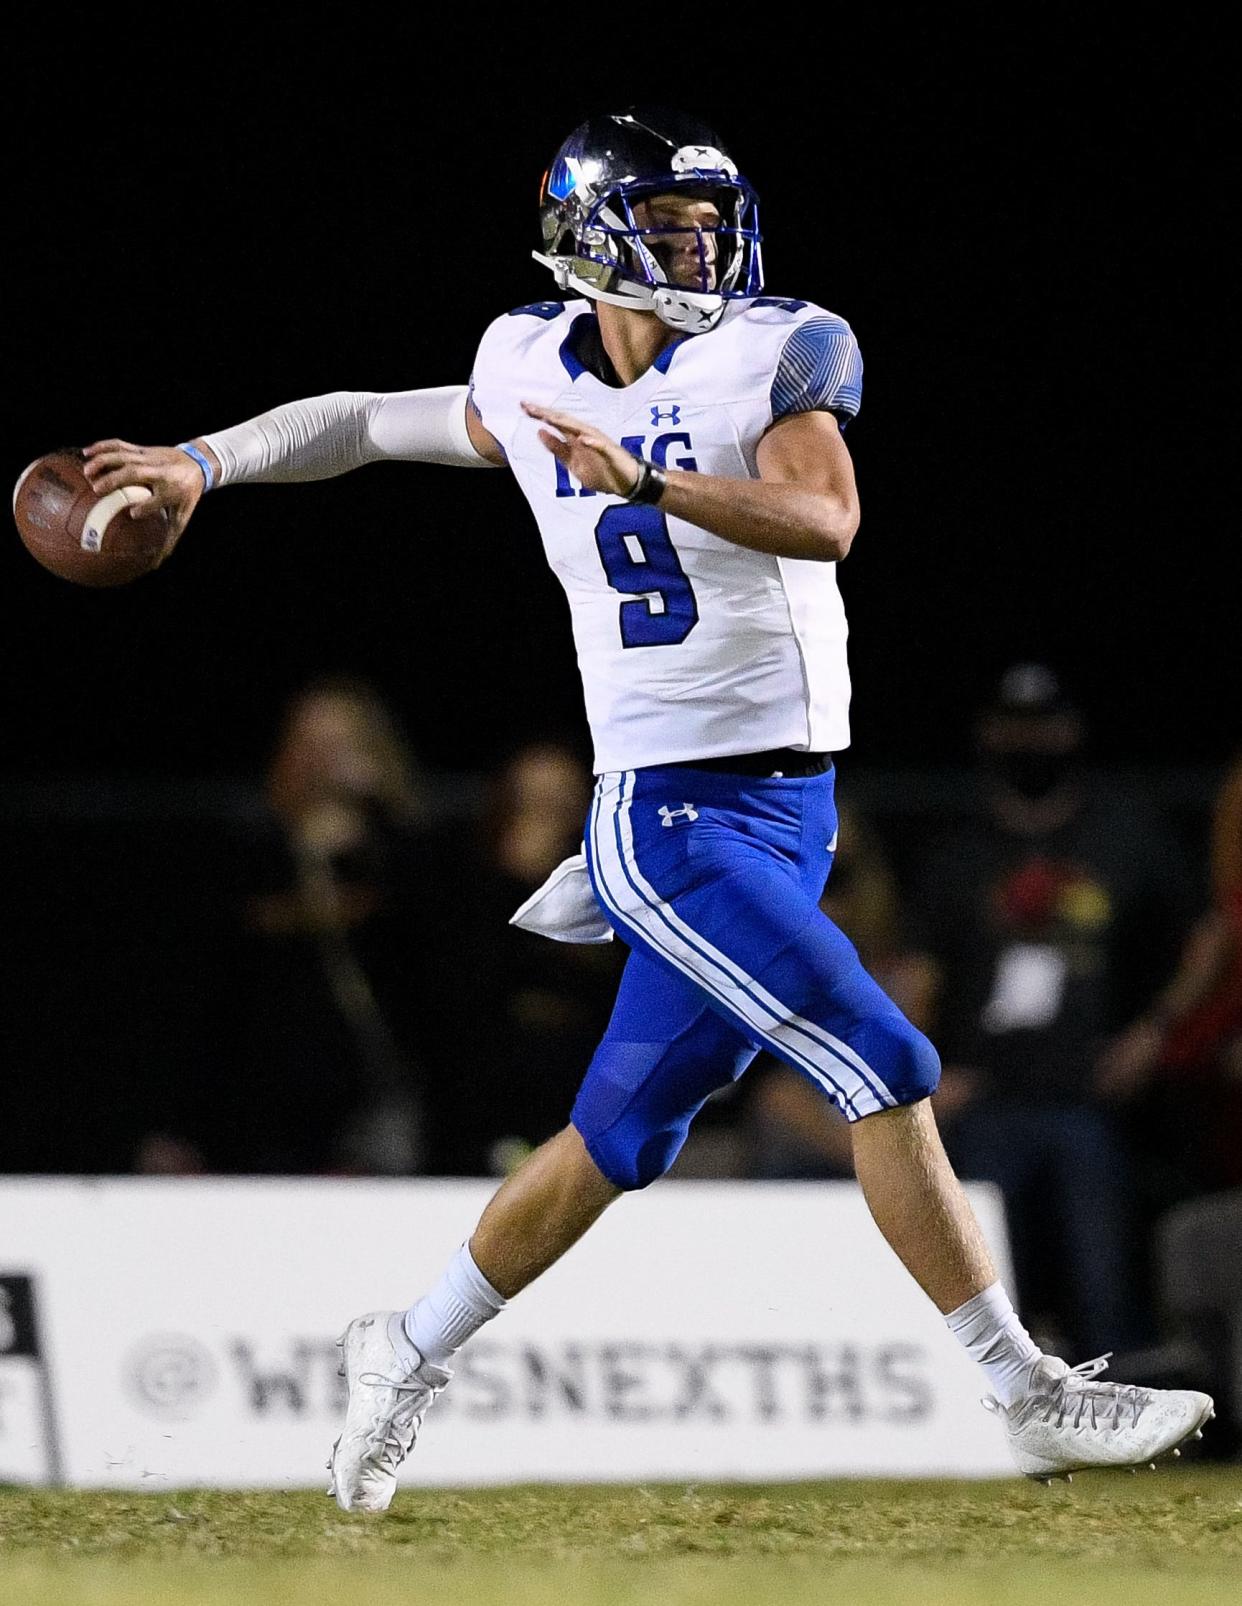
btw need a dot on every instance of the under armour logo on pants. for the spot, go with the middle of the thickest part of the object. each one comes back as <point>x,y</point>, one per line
<point>687,810</point>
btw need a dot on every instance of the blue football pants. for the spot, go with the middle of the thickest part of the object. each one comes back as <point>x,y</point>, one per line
<point>714,881</point>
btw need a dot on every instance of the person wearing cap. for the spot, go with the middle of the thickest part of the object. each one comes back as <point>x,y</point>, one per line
<point>1051,915</point>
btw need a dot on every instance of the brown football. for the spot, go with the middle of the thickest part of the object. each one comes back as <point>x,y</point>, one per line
<point>81,536</point>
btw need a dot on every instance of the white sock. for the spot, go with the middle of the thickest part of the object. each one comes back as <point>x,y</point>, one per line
<point>441,1321</point>
<point>989,1331</point>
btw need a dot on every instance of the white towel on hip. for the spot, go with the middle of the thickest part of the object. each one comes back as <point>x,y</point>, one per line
<point>564,907</point>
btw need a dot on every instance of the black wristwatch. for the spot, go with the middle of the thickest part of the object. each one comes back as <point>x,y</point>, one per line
<point>650,484</point>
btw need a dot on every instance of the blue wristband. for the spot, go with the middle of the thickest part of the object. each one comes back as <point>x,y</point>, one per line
<point>209,479</point>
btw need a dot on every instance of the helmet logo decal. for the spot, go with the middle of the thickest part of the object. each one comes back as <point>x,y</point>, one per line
<point>692,158</point>
<point>584,174</point>
<point>572,175</point>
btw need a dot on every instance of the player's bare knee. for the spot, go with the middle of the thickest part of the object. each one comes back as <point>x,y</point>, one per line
<point>586,1173</point>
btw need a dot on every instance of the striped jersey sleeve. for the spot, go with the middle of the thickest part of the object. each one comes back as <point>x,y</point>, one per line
<point>820,370</point>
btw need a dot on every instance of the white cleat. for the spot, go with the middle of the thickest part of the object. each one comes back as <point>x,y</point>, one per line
<point>1068,1422</point>
<point>387,1403</point>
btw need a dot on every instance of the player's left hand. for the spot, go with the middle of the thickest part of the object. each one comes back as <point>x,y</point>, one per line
<point>597,463</point>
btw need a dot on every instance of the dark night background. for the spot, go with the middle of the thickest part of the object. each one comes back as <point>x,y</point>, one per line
<point>1024,226</point>
<point>1027,215</point>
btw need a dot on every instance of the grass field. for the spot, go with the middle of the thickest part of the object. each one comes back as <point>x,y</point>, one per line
<point>1112,1540</point>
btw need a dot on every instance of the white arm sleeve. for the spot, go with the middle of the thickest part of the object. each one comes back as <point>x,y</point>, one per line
<point>328,435</point>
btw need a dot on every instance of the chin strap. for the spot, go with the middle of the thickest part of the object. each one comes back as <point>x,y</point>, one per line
<point>694,312</point>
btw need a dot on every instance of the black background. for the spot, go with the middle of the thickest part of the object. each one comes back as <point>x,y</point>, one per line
<point>1024,218</point>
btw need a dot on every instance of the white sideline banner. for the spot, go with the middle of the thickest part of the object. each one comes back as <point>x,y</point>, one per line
<point>157,1333</point>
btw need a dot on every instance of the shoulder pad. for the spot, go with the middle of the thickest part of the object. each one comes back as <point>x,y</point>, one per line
<point>547,310</point>
<point>761,303</point>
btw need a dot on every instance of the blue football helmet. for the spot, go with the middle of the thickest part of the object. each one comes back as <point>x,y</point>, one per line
<point>593,244</point>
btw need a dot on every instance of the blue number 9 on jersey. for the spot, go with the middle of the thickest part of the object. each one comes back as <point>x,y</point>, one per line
<point>640,559</point>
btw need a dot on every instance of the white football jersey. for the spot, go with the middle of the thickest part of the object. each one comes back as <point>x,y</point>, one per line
<point>689,646</point>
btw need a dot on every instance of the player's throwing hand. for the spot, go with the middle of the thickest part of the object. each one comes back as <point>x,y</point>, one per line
<point>174,479</point>
<point>597,463</point>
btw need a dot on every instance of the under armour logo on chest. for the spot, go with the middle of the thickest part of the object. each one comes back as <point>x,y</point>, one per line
<point>673,415</point>
<point>686,811</point>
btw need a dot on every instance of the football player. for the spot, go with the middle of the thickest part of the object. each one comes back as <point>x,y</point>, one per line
<point>679,436</point>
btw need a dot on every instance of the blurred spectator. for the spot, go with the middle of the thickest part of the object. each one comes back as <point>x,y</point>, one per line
<point>515,1017</point>
<point>1176,1073</point>
<point>318,1034</point>
<point>793,1130</point>
<point>1179,1065</point>
<point>1050,919</point>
